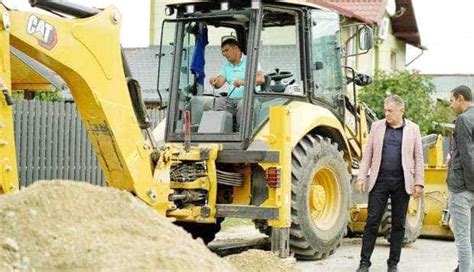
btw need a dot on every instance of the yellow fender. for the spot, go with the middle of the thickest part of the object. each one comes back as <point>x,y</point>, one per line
<point>305,117</point>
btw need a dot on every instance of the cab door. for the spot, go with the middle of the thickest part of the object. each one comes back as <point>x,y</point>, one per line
<point>326,56</point>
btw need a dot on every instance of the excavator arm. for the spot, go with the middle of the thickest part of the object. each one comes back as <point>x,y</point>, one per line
<point>86,53</point>
<point>8,166</point>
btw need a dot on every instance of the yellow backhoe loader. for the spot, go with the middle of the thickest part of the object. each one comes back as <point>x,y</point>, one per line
<point>286,162</point>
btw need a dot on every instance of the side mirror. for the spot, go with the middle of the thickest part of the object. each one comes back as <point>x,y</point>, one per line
<point>362,80</point>
<point>366,38</point>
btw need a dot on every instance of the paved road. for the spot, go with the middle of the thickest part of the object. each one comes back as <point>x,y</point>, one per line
<point>425,255</point>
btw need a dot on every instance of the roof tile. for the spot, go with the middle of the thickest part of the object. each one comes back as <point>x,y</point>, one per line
<point>371,10</point>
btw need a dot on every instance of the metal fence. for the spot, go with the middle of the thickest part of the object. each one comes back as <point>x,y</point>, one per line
<point>52,143</point>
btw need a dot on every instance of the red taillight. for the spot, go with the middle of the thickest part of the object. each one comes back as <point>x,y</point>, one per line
<point>273,177</point>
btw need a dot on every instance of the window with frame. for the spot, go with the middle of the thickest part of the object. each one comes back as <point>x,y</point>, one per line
<point>326,57</point>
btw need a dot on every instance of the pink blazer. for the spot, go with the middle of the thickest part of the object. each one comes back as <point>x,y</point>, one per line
<point>412,155</point>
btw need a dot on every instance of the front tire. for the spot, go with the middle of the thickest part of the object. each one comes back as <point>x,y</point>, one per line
<point>320,198</point>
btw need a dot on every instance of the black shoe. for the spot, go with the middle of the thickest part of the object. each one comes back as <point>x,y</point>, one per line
<point>393,268</point>
<point>362,268</point>
<point>457,269</point>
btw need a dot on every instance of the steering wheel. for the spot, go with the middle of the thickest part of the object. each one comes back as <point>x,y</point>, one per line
<point>279,75</point>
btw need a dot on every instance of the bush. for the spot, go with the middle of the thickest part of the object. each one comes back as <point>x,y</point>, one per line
<point>416,90</point>
<point>53,95</point>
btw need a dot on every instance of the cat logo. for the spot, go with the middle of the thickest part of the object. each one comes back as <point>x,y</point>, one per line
<point>42,31</point>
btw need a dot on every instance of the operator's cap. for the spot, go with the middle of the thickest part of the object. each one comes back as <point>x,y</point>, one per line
<point>229,39</point>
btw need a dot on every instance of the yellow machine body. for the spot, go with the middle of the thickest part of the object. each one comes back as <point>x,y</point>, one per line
<point>95,75</point>
<point>436,223</point>
<point>26,78</point>
<point>8,164</point>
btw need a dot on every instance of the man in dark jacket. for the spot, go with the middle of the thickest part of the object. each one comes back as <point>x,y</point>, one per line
<point>461,176</point>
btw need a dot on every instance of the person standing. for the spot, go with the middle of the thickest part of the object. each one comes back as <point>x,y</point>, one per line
<point>394,156</point>
<point>461,176</point>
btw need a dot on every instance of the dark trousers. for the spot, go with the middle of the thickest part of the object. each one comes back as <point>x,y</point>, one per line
<point>378,198</point>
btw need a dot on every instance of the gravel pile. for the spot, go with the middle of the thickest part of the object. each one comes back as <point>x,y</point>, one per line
<point>261,261</point>
<point>66,225</point>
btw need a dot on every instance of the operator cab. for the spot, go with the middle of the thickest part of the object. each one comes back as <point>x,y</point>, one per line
<point>299,63</point>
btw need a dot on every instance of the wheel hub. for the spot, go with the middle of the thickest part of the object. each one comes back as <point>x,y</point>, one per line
<point>318,197</point>
<point>324,198</point>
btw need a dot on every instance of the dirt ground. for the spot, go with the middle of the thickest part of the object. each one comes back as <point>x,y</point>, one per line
<point>424,255</point>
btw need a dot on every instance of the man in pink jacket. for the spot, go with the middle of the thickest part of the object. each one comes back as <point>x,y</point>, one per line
<point>393,158</point>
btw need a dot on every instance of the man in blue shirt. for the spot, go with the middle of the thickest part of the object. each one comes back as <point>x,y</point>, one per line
<point>233,73</point>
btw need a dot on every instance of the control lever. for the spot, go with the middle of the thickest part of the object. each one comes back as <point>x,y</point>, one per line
<point>187,131</point>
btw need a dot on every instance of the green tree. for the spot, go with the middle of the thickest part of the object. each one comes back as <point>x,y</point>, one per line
<point>53,95</point>
<point>442,115</point>
<point>416,90</point>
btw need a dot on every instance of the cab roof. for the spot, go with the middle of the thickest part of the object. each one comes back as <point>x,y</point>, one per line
<point>319,4</point>
<point>243,3</point>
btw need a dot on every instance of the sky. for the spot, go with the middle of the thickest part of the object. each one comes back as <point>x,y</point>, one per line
<point>446,32</point>
<point>443,25</point>
<point>135,17</point>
